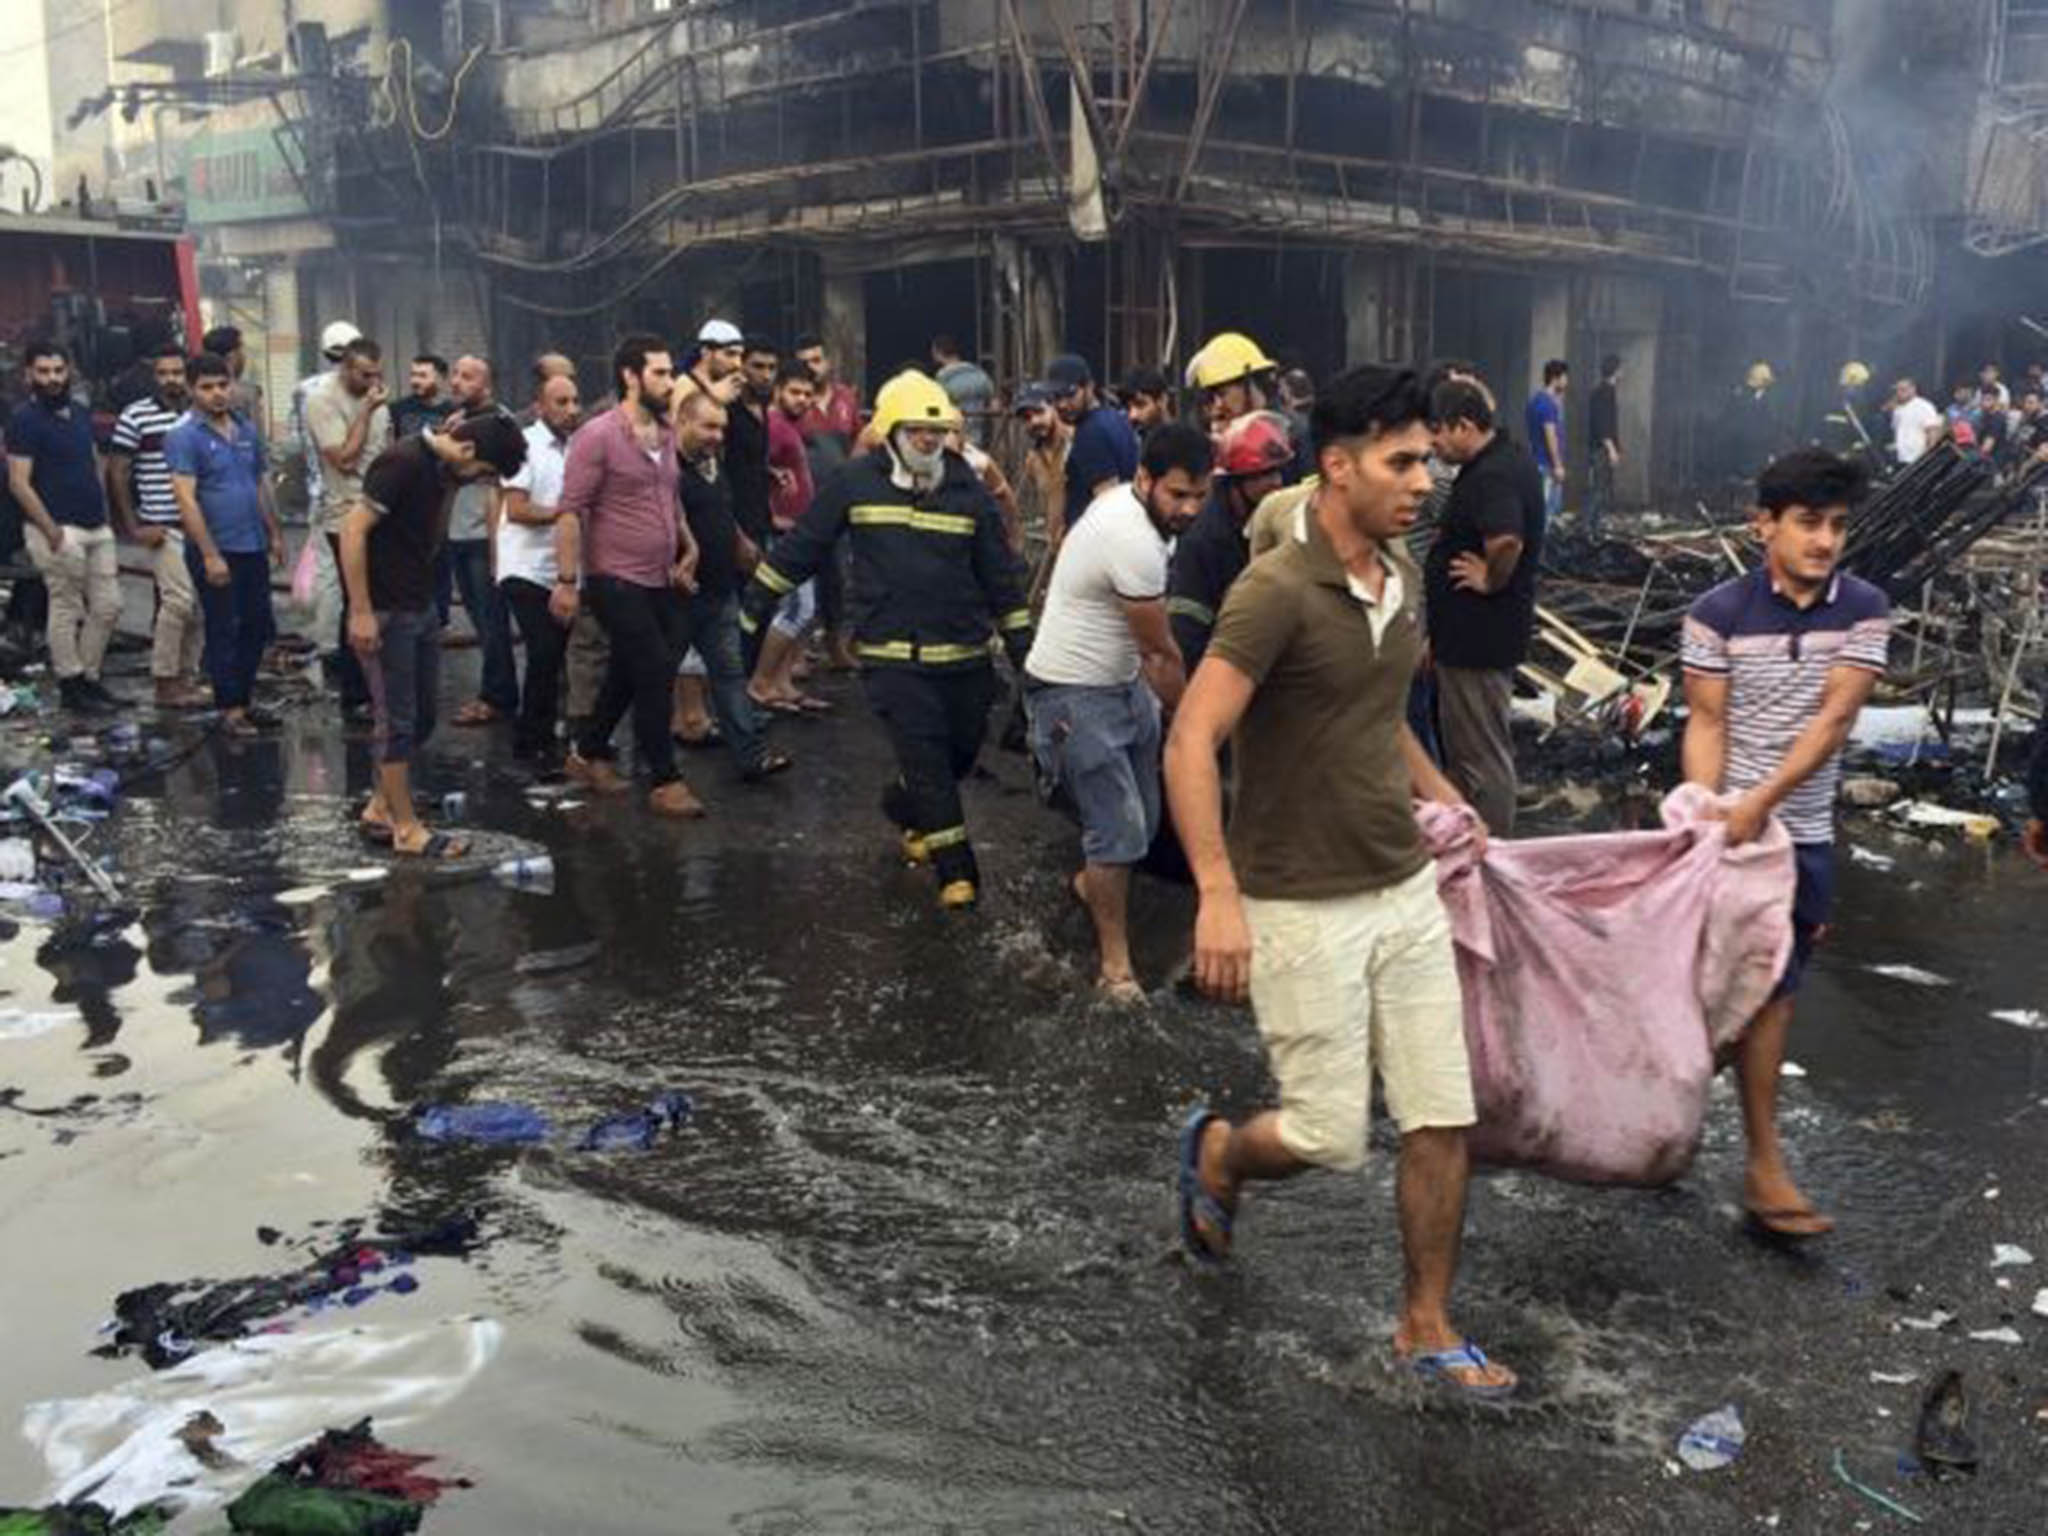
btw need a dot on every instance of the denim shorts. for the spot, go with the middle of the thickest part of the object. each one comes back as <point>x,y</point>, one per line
<point>1099,748</point>
<point>1812,904</point>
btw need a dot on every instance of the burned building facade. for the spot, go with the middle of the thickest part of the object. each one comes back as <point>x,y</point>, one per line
<point>1692,185</point>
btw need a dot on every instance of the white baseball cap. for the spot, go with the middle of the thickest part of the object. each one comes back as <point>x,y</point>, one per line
<point>720,333</point>
<point>337,336</point>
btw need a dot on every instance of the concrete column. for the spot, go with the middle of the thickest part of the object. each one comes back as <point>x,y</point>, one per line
<point>1550,318</point>
<point>845,323</point>
<point>1365,300</point>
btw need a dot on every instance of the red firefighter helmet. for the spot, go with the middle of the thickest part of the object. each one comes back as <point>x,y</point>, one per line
<point>1255,444</point>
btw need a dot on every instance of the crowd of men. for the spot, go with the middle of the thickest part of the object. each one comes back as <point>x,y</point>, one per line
<point>1173,591</point>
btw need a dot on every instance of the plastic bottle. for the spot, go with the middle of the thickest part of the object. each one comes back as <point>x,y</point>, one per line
<point>534,872</point>
<point>1715,1441</point>
<point>454,804</point>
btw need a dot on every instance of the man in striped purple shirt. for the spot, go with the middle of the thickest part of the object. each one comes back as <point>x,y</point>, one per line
<point>1778,664</point>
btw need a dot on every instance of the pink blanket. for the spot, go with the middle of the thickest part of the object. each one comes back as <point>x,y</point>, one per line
<point>1600,973</point>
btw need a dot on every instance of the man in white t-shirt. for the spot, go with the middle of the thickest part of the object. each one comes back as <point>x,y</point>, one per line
<point>529,569</point>
<point>1913,416</point>
<point>1101,668</point>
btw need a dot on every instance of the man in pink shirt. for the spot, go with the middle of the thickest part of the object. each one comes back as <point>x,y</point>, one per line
<point>789,496</point>
<point>829,432</point>
<point>637,562</point>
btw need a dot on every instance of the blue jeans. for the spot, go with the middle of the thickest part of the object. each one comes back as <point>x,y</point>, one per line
<point>239,622</point>
<point>471,559</point>
<point>1101,746</point>
<point>1553,498</point>
<point>712,628</point>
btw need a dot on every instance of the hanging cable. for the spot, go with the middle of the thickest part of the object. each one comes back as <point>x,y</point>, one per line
<point>420,130</point>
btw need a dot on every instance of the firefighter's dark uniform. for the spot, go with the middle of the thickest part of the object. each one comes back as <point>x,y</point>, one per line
<point>933,578</point>
<point>1206,560</point>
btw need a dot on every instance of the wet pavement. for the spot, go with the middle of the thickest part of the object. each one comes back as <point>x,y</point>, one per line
<point>911,1266</point>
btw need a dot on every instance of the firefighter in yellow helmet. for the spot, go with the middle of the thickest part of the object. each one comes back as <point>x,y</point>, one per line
<point>1753,432</point>
<point>1843,431</point>
<point>1233,377</point>
<point>934,580</point>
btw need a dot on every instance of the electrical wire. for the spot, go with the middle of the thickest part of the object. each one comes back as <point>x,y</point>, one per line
<point>420,130</point>
<point>100,15</point>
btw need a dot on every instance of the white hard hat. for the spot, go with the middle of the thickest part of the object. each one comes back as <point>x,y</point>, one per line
<point>337,336</point>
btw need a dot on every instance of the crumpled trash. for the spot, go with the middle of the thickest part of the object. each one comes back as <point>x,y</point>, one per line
<point>2022,1018</point>
<point>166,1323</point>
<point>2009,1256</point>
<point>545,962</point>
<point>344,1484</point>
<point>2041,1302</point>
<point>1869,793</point>
<point>1972,824</point>
<point>1713,1442</point>
<point>638,1130</point>
<point>1998,1336</point>
<point>17,859</point>
<point>1881,862</point>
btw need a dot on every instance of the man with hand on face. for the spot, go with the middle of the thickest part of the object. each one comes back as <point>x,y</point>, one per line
<point>933,575</point>
<point>638,563</point>
<point>1103,668</point>
<point>389,537</point>
<point>1778,664</point>
<point>1103,450</point>
<point>347,426</point>
<point>774,687</point>
<point>231,540</point>
<point>1325,870</point>
<point>146,510</point>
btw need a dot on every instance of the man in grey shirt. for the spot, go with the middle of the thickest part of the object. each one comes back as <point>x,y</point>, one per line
<point>346,426</point>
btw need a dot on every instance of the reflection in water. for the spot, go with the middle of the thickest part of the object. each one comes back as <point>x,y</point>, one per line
<point>911,1266</point>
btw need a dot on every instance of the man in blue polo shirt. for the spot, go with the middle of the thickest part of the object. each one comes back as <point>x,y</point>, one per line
<point>54,472</point>
<point>1104,449</point>
<point>1778,664</point>
<point>216,462</point>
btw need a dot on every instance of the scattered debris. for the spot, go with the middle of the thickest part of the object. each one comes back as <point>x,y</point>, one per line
<point>1909,973</point>
<point>168,1322</point>
<point>517,1125</point>
<point>543,962</point>
<point>532,872</point>
<point>1881,862</point>
<point>26,1024</point>
<point>1791,1069</point>
<point>83,1519</point>
<point>2006,1335</point>
<point>1893,1378</point>
<point>1713,1442</point>
<point>1869,793</point>
<point>1933,1322</point>
<point>346,1483</point>
<point>2022,1018</point>
<point>1973,824</point>
<point>1942,1439</point>
<point>2004,1255</point>
<point>1883,1501</point>
<point>2041,1302</point>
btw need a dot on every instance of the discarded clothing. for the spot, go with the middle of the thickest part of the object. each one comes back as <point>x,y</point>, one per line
<point>167,1322</point>
<point>519,1125</point>
<point>343,1484</point>
<point>1600,974</point>
<point>123,1447</point>
<point>637,1131</point>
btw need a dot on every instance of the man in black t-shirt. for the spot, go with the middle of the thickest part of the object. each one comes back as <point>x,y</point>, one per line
<point>711,614</point>
<point>1481,597</point>
<point>389,539</point>
<point>1603,444</point>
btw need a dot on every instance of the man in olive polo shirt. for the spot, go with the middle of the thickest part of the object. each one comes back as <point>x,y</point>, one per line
<point>1322,906</point>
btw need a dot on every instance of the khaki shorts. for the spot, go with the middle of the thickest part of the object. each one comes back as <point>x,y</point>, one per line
<point>1348,984</point>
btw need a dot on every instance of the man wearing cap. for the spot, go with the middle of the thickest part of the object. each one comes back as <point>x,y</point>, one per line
<point>1104,451</point>
<point>1042,476</point>
<point>720,349</point>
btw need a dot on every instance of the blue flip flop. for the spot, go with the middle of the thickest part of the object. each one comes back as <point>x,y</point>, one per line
<point>1435,1368</point>
<point>1194,1199</point>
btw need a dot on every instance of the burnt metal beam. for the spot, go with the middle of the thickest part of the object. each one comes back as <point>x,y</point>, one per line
<point>1156,33</point>
<point>1223,48</point>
